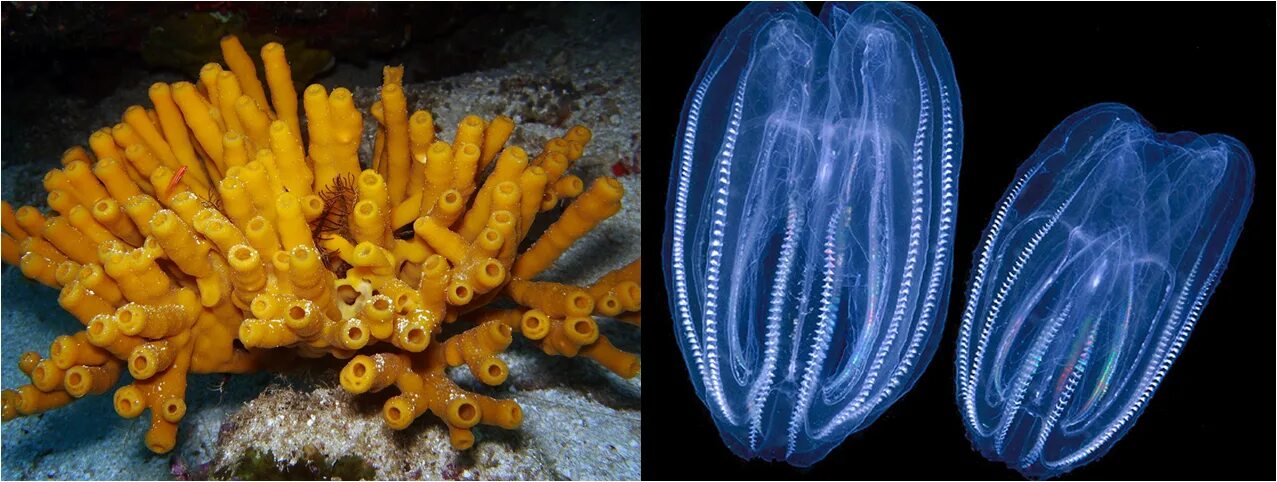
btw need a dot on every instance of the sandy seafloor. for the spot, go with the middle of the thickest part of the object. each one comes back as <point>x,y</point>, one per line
<point>581,422</point>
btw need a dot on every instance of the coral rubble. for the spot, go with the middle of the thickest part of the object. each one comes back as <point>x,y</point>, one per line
<point>217,233</point>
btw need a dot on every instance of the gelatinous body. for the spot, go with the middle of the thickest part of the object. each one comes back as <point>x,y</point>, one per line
<point>810,221</point>
<point>1097,263</point>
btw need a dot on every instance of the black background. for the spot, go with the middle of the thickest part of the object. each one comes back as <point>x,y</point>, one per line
<point>1021,69</point>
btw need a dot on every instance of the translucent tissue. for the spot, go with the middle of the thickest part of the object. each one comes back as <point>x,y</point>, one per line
<point>1097,263</point>
<point>810,221</point>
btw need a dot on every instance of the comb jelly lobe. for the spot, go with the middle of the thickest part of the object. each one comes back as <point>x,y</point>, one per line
<point>810,221</point>
<point>1097,263</point>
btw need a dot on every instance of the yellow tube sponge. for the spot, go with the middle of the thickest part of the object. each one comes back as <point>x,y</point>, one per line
<point>70,241</point>
<point>477,349</point>
<point>304,319</point>
<point>568,186</point>
<point>413,332</point>
<point>421,134</point>
<point>372,373</point>
<point>46,376</point>
<point>257,333</point>
<point>163,393</point>
<point>242,65</point>
<point>42,248</point>
<point>282,94</point>
<point>567,336</point>
<point>195,112</point>
<point>207,233</point>
<point>144,162</point>
<point>395,108</point>
<point>9,221</point>
<point>619,290</point>
<point>140,209</point>
<point>379,312</point>
<point>494,137</point>
<point>110,214</point>
<point>434,280</point>
<point>444,241</point>
<point>31,400</point>
<point>94,277</point>
<point>150,358</point>
<point>31,221</point>
<point>599,203</point>
<point>448,208</point>
<point>137,120</point>
<point>86,186</point>
<point>234,149</point>
<point>465,160</point>
<point>428,388</point>
<point>320,129</point>
<point>175,131</point>
<point>551,298</point>
<point>125,138</point>
<point>180,243</point>
<point>248,274</point>
<point>219,230</point>
<point>469,131</point>
<point>77,153</point>
<point>115,179</point>
<point>262,189</point>
<point>91,380</point>
<point>581,135</point>
<point>228,92</point>
<point>347,125</point>
<point>290,159</point>
<point>502,413</point>
<point>102,142</point>
<point>534,324</point>
<point>263,236</point>
<point>159,321</point>
<point>9,249</point>
<point>55,181</point>
<point>71,350</point>
<point>309,278</point>
<point>254,120</point>
<point>64,273</point>
<point>438,173</point>
<point>312,207</point>
<point>379,141</point>
<point>619,362</point>
<point>61,201</point>
<point>532,184</point>
<point>477,217</point>
<point>293,230</point>
<point>369,223</point>
<point>84,222</point>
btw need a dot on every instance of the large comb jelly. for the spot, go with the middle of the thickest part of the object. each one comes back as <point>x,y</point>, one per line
<point>810,221</point>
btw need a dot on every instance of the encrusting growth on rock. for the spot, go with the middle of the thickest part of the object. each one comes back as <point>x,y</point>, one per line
<point>204,233</point>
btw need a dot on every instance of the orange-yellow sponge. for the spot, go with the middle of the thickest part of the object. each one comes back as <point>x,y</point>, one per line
<point>208,232</point>
<point>424,385</point>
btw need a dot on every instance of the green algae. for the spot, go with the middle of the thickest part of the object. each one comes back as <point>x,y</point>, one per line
<point>259,465</point>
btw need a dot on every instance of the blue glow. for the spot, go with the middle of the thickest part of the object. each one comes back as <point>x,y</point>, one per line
<point>1097,263</point>
<point>810,221</point>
